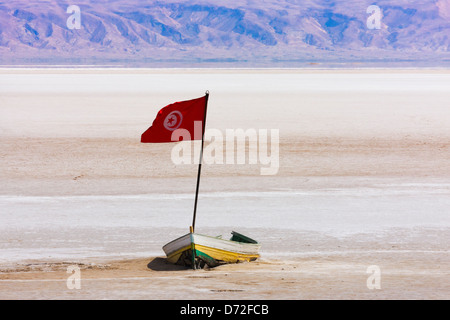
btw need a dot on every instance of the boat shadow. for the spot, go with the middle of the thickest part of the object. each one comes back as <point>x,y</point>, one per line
<point>161,264</point>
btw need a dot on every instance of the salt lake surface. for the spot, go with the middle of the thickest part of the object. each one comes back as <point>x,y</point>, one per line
<point>356,178</point>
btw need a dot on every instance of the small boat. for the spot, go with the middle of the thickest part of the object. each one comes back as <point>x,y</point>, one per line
<point>198,251</point>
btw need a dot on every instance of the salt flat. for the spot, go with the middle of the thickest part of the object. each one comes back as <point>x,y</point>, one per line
<point>364,179</point>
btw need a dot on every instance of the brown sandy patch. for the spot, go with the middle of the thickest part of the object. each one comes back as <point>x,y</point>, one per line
<point>403,276</point>
<point>60,166</point>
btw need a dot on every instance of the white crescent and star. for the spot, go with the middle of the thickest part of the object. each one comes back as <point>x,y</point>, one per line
<point>173,120</point>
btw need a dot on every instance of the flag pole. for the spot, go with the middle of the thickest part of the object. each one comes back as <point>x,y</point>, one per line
<point>200,162</point>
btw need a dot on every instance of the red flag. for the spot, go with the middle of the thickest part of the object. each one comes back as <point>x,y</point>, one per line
<point>178,115</point>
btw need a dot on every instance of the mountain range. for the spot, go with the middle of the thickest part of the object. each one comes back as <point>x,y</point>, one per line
<point>241,31</point>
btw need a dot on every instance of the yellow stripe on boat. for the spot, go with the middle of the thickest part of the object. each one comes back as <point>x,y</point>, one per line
<point>226,256</point>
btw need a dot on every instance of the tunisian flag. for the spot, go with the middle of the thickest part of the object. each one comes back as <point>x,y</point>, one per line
<point>178,115</point>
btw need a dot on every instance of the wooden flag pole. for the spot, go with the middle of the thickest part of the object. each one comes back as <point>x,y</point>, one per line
<point>200,162</point>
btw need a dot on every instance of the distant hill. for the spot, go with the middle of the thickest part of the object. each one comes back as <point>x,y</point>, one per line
<point>245,31</point>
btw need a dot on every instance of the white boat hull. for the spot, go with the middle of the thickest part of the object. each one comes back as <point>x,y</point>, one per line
<point>195,249</point>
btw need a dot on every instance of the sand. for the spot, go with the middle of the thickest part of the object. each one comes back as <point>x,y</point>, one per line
<point>336,277</point>
<point>364,180</point>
